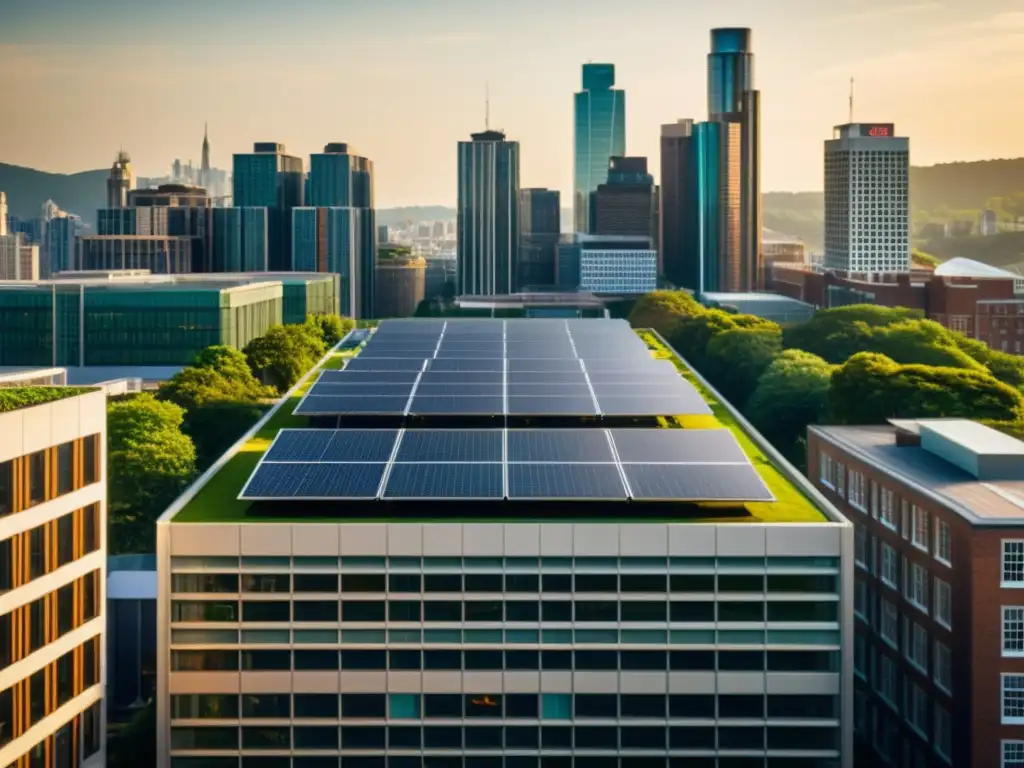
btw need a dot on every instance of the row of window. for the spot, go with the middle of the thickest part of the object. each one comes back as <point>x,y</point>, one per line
<point>590,611</point>
<point>48,474</point>
<point>497,582</point>
<point>28,701</point>
<point>30,627</point>
<point>69,747</point>
<point>580,737</point>
<point>547,706</point>
<point>878,728</point>
<point>498,761</point>
<point>414,660</point>
<point>47,547</point>
<point>881,503</point>
<point>899,573</point>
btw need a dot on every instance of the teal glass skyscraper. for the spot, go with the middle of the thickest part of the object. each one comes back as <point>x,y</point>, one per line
<point>269,178</point>
<point>599,135</point>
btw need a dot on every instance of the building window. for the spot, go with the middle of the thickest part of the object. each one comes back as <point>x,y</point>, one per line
<point>943,736</point>
<point>6,488</point>
<point>1013,700</point>
<point>915,707</point>
<point>905,519</point>
<point>888,626</point>
<point>65,468</point>
<point>943,667</point>
<point>860,666</point>
<point>1013,563</point>
<point>1013,631</point>
<point>887,509</point>
<point>915,641</point>
<point>886,685</point>
<point>860,600</point>
<point>1013,754</point>
<point>943,603</point>
<point>890,567</point>
<point>917,587</point>
<point>37,478</point>
<point>841,479</point>
<point>89,458</point>
<point>858,495</point>
<point>825,470</point>
<point>943,542</point>
<point>860,547</point>
<point>920,529</point>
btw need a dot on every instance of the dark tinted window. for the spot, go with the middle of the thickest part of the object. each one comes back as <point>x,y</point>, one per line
<point>528,660</point>
<point>800,582</point>
<point>362,610</point>
<point>442,610</point>
<point>702,611</point>
<point>90,533</point>
<point>6,488</point>
<point>65,468</point>
<point>265,610</point>
<point>642,582</point>
<point>36,554</point>
<point>484,610</point>
<point>361,737</point>
<point>691,660</point>
<point>729,582</point>
<point>442,659</point>
<point>309,705</point>
<point>442,705</point>
<point>363,705</point>
<point>521,705</point>
<point>522,582</point>
<point>596,705</point>
<point>483,705</point>
<point>204,582</point>
<point>266,705</point>
<point>745,661</point>
<point>404,582</point>
<point>65,539</point>
<point>556,610</point>
<point>484,582</point>
<point>596,737</point>
<point>266,582</point>
<point>491,660</point>
<point>267,660</point>
<point>442,737</point>
<point>644,610</point>
<point>315,582</point>
<point>692,582</point>
<point>597,582</point>
<point>404,610</point>
<point>597,660</point>
<point>816,610</point>
<point>316,737</point>
<point>89,458</point>
<point>642,705</point>
<point>266,737</point>
<point>313,660</point>
<point>198,661</point>
<point>556,660</point>
<point>556,582</point>
<point>410,660</point>
<point>484,737</point>
<point>733,611</point>
<point>363,660</point>
<point>316,610</point>
<point>597,611</point>
<point>362,582</point>
<point>741,706</point>
<point>442,582</point>
<point>37,478</point>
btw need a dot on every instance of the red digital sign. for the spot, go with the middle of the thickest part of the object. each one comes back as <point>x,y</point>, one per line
<point>878,131</point>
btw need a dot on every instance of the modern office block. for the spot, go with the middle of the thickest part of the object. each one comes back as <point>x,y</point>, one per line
<point>269,178</point>
<point>405,579</point>
<point>678,209</point>
<point>939,612</point>
<point>625,204</point>
<point>60,244</point>
<point>539,225</point>
<point>241,239</point>
<point>599,135</point>
<point>18,260</point>
<point>160,254</point>
<point>119,181</point>
<point>867,200</point>
<point>53,502</point>
<point>488,214</point>
<point>608,264</point>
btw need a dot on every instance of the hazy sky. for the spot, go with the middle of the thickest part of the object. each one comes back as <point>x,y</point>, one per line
<point>403,80</point>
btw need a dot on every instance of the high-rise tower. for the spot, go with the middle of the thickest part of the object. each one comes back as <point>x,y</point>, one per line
<point>204,171</point>
<point>119,181</point>
<point>488,214</point>
<point>270,178</point>
<point>3,214</point>
<point>599,135</point>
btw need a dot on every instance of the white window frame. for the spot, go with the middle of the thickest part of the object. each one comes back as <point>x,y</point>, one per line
<point>919,527</point>
<point>1012,753</point>
<point>860,547</point>
<point>917,587</point>
<point>887,685</point>
<point>1015,549</point>
<point>889,571</point>
<point>840,478</point>
<point>943,542</point>
<point>915,707</point>
<point>826,467</point>
<point>915,645</point>
<point>889,624</point>
<point>943,666</point>
<point>856,484</point>
<point>1013,616</point>
<point>1016,689</point>
<point>943,603</point>
<point>887,509</point>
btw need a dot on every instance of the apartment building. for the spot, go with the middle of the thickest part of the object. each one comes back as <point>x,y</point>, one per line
<point>52,571</point>
<point>938,507</point>
<point>433,565</point>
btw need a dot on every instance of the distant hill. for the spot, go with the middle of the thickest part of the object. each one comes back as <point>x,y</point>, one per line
<point>27,190</point>
<point>394,216</point>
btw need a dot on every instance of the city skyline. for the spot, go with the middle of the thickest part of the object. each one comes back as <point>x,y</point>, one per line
<point>414,62</point>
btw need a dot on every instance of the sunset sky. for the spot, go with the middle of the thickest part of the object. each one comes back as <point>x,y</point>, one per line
<point>404,80</point>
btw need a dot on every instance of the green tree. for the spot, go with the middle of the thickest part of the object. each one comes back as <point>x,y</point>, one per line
<point>216,374</point>
<point>284,354</point>
<point>923,342</point>
<point>834,334</point>
<point>149,462</point>
<point>216,426</point>
<point>693,334</point>
<point>870,388</point>
<point>663,310</point>
<point>1006,367</point>
<point>736,359</point>
<point>330,328</point>
<point>792,393</point>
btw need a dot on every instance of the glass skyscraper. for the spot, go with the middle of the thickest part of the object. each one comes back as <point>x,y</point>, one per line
<point>240,239</point>
<point>269,178</point>
<point>488,214</point>
<point>540,217</point>
<point>599,135</point>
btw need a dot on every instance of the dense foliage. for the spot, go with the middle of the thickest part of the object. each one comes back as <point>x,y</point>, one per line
<point>13,398</point>
<point>284,353</point>
<point>330,328</point>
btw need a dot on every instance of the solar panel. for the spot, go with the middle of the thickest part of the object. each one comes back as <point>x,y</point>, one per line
<point>559,445</point>
<point>652,446</point>
<point>440,404</point>
<point>360,363</point>
<point>275,481</point>
<point>462,445</point>
<point>344,481</point>
<point>349,375</point>
<point>696,482</point>
<point>445,481</point>
<point>365,389</point>
<point>645,389</point>
<point>462,364</point>
<point>551,406</point>
<point>313,405</point>
<point>532,365</point>
<point>565,481</point>
<point>539,353</point>
<point>453,389</point>
<point>362,445</point>
<point>654,405</point>
<point>434,376</point>
<point>555,390</point>
<point>543,377</point>
<point>299,445</point>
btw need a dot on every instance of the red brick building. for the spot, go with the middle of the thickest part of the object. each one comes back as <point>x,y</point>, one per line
<point>938,510</point>
<point>975,299</point>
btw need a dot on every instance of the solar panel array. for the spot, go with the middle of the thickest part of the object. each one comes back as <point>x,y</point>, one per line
<point>516,464</point>
<point>534,367</point>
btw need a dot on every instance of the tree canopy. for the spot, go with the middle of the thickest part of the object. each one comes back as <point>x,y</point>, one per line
<point>284,353</point>
<point>737,357</point>
<point>870,388</point>
<point>330,328</point>
<point>663,310</point>
<point>835,334</point>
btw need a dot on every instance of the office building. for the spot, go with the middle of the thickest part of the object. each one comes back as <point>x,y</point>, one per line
<point>119,181</point>
<point>607,264</point>
<point>540,218</point>
<point>678,209</point>
<point>625,203</point>
<point>3,214</point>
<point>867,200</point>
<point>442,275</point>
<point>18,261</point>
<point>492,615</point>
<point>269,178</point>
<point>488,214</point>
<point>53,512</point>
<point>337,230</point>
<point>240,240</point>
<point>107,319</point>
<point>61,234</point>
<point>160,254</point>
<point>383,235</point>
<point>939,552</point>
<point>401,281</point>
<point>599,135</point>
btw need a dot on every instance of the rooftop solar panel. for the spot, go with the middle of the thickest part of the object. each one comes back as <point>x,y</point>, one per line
<point>361,363</point>
<point>351,376</point>
<point>467,365</point>
<point>313,405</point>
<point>459,445</point>
<point>442,404</point>
<point>546,377</point>
<point>646,405</point>
<point>532,365</point>
<point>552,406</point>
<point>455,389</point>
<point>559,445</point>
<point>554,390</point>
<point>435,376</point>
<point>445,481</point>
<point>565,481</point>
<point>299,445</point>
<point>655,446</point>
<point>361,445</point>
<point>695,482</point>
<point>349,481</point>
<point>362,388</point>
<point>275,481</point>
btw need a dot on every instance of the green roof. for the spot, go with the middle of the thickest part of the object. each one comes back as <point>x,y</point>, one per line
<point>216,501</point>
<point>16,398</point>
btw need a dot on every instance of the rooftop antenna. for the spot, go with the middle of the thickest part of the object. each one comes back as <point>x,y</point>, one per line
<point>487,105</point>
<point>851,100</point>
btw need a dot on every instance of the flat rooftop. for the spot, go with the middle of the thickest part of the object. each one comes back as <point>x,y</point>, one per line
<point>132,279</point>
<point>551,443</point>
<point>982,502</point>
<point>16,398</point>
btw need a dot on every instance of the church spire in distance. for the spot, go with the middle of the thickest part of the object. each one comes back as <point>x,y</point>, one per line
<point>206,149</point>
